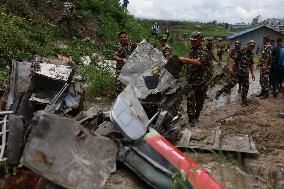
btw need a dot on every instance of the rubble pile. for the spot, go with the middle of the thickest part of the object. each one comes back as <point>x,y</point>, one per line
<point>70,148</point>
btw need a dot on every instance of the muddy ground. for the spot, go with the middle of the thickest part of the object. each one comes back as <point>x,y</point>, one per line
<point>259,120</point>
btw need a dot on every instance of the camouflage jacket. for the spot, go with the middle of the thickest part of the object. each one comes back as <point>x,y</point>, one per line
<point>199,74</point>
<point>123,51</point>
<point>236,54</point>
<point>265,55</point>
<point>68,9</point>
<point>246,61</point>
<point>167,51</point>
<point>211,52</point>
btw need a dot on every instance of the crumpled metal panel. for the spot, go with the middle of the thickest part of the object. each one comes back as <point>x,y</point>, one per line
<point>52,71</point>
<point>231,143</point>
<point>20,81</point>
<point>128,115</point>
<point>147,60</point>
<point>65,153</point>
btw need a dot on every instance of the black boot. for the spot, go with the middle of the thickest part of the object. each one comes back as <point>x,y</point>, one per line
<point>265,95</point>
<point>260,94</point>
<point>244,101</point>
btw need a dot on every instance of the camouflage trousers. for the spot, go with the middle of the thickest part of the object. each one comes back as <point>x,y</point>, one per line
<point>195,100</point>
<point>264,79</point>
<point>242,80</point>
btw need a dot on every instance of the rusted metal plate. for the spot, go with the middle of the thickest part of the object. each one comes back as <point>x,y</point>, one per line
<point>231,143</point>
<point>52,71</point>
<point>64,152</point>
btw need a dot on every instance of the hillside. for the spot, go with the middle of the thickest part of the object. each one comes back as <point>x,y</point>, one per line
<point>29,27</point>
<point>184,27</point>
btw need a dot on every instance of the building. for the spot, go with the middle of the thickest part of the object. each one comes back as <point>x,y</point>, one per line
<point>255,34</point>
<point>239,26</point>
<point>256,21</point>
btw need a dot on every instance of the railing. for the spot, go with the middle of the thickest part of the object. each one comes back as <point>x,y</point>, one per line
<point>3,133</point>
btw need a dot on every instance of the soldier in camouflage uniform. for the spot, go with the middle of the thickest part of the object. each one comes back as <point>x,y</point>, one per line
<point>121,53</point>
<point>166,49</point>
<point>234,64</point>
<point>197,71</point>
<point>264,65</point>
<point>210,48</point>
<point>68,14</point>
<point>243,63</point>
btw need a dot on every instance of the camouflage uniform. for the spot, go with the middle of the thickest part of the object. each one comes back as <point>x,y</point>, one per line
<point>68,13</point>
<point>246,62</point>
<point>264,73</point>
<point>68,9</point>
<point>167,51</point>
<point>122,51</point>
<point>211,58</point>
<point>243,59</point>
<point>197,78</point>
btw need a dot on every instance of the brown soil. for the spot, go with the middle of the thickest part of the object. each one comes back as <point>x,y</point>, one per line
<point>23,180</point>
<point>259,120</point>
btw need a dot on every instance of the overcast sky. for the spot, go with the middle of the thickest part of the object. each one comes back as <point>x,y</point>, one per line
<point>230,11</point>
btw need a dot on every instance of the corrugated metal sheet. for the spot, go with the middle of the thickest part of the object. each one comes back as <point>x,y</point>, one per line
<point>52,71</point>
<point>249,30</point>
<point>243,32</point>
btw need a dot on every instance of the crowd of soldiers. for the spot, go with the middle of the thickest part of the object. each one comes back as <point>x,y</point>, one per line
<point>199,68</point>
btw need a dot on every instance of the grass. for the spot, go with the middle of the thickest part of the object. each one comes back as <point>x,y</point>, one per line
<point>183,27</point>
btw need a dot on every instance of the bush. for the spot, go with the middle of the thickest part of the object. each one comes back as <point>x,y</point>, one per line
<point>99,82</point>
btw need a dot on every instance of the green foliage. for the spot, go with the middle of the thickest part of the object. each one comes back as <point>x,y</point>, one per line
<point>99,81</point>
<point>77,48</point>
<point>180,27</point>
<point>4,76</point>
<point>21,38</point>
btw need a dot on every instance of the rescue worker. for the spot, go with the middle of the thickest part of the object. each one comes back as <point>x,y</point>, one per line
<point>69,10</point>
<point>166,49</point>
<point>121,53</point>
<point>264,65</point>
<point>210,48</point>
<point>197,69</point>
<point>155,29</point>
<point>244,64</point>
<point>125,4</point>
<point>234,56</point>
<point>165,33</point>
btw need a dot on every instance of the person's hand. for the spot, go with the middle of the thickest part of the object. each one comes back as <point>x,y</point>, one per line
<point>253,77</point>
<point>124,60</point>
<point>231,71</point>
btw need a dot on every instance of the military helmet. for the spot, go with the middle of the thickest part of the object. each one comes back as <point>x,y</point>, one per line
<point>251,43</point>
<point>196,35</point>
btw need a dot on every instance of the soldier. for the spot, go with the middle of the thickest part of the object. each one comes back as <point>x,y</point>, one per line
<point>234,56</point>
<point>125,4</point>
<point>198,67</point>
<point>68,14</point>
<point>166,49</point>
<point>155,29</point>
<point>264,65</point>
<point>121,53</point>
<point>210,48</point>
<point>220,51</point>
<point>165,33</point>
<point>243,63</point>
